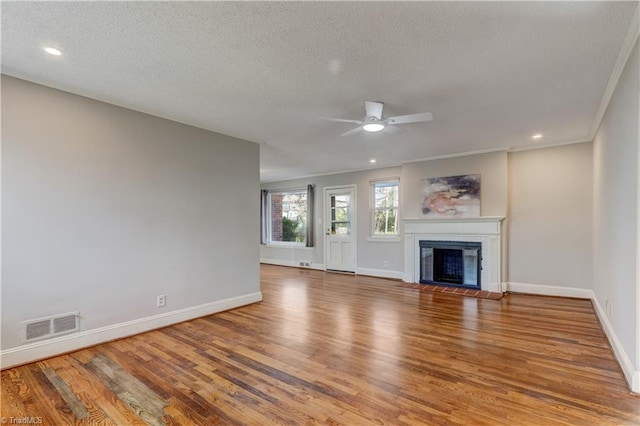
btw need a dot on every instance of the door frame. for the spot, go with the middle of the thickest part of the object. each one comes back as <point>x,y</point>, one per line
<point>354,221</point>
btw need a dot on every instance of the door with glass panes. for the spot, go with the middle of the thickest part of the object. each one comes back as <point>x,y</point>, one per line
<point>340,228</point>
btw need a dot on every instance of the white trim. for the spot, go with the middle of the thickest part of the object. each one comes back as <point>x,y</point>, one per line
<point>460,154</point>
<point>621,62</point>
<point>636,377</point>
<point>340,172</point>
<point>631,375</point>
<point>538,145</point>
<point>292,263</point>
<point>287,247</point>
<point>480,219</point>
<point>372,208</point>
<point>549,290</point>
<point>486,230</point>
<point>333,187</point>
<point>394,239</point>
<point>72,342</point>
<point>382,273</point>
<point>353,221</point>
<point>269,225</point>
<point>387,179</point>
<point>286,244</point>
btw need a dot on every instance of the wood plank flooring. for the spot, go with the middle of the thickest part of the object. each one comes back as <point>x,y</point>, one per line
<point>333,349</point>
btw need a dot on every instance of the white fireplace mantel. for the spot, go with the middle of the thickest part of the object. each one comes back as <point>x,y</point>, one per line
<point>485,230</point>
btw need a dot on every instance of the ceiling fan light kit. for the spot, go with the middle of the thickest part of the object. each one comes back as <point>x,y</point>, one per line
<point>373,127</point>
<point>375,122</point>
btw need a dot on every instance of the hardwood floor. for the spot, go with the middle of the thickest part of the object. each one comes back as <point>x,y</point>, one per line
<point>338,349</point>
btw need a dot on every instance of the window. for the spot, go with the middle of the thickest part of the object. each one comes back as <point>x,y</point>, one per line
<point>384,208</point>
<point>287,215</point>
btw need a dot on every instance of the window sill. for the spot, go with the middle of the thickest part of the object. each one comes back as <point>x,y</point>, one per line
<point>384,239</point>
<point>287,246</point>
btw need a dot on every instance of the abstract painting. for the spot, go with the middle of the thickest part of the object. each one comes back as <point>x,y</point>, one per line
<point>451,196</point>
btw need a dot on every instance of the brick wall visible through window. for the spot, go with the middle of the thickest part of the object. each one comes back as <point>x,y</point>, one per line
<point>276,217</point>
<point>288,217</point>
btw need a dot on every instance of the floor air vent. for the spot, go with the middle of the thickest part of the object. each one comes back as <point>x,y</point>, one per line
<point>43,328</point>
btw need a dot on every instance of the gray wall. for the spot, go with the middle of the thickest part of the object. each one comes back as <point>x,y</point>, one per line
<point>104,208</point>
<point>550,204</point>
<point>493,181</point>
<point>615,228</point>
<point>370,254</point>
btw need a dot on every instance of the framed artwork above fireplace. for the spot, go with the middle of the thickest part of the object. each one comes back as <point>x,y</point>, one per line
<point>451,197</point>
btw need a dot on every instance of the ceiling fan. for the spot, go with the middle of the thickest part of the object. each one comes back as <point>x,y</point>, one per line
<point>374,121</point>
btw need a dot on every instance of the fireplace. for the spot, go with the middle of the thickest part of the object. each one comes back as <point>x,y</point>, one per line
<point>485,231</point>
<point>451,263</point>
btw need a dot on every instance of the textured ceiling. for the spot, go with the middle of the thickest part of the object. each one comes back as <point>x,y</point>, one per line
<point>492,73</point>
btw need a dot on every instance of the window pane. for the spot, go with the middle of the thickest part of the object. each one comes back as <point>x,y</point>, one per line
<point>385,207</point>
<point>340,228</point>
<point>386,196</point>
<point>340,214</point>
<point>342,199</point>
<point>289,216</point>
<point>386,221</point>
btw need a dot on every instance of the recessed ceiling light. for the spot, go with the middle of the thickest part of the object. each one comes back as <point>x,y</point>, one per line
<point>537,136</point>
<point>373,127</point>
<point>373,160</point>
<point>53,51</point>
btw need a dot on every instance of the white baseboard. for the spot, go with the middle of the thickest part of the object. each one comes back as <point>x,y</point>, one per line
<point>632,376</point>
<point>47,348</point>
<point>319,266</point>
<point>382,273</point>
<point>549,290</point>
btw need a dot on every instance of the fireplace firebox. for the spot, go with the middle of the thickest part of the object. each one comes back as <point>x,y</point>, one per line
<point>451,263</point>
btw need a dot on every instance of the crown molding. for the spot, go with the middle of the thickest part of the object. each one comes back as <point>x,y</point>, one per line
<point>623,58</point>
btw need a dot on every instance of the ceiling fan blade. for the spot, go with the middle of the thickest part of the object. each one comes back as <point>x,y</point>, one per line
<point>411,118</point>
<point>342,120</point>
<point>352,131</point>
<point>374,109</point>
<point>393,130</point>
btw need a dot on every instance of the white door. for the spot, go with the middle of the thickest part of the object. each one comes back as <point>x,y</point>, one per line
<point>340,226</point>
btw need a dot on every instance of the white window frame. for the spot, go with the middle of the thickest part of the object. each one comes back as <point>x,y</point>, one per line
<point>372,208</point>
<point>282,244</point>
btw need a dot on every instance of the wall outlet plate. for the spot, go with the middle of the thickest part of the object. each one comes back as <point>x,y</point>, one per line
<point>161,301</point>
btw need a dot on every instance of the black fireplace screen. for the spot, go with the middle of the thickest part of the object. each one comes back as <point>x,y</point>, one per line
<point>450,263</point>
<point>448,266</point>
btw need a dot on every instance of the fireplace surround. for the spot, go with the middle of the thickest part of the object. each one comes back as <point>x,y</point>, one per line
<point>484,231</point>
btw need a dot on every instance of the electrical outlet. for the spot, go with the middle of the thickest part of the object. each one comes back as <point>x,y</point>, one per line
<point>161,301</point>
<point>386,263</point>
